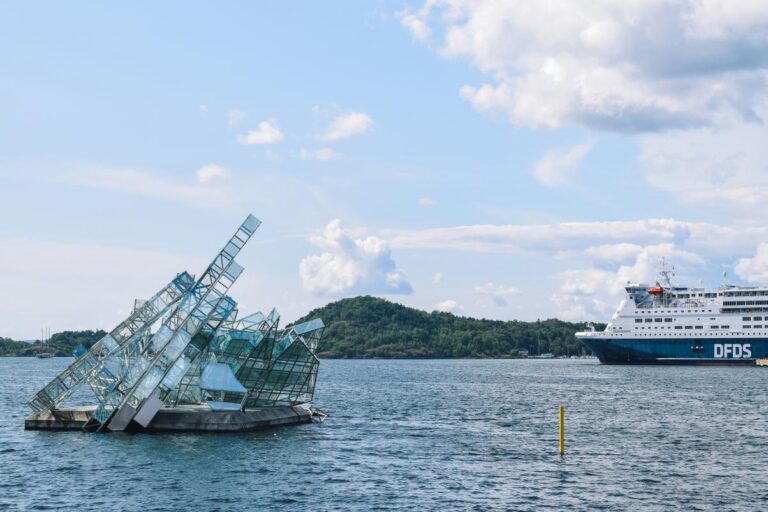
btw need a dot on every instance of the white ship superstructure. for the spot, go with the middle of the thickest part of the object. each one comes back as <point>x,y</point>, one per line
<point>707,324</point>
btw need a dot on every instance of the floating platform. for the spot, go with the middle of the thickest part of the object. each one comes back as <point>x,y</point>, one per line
<point>186,418</point>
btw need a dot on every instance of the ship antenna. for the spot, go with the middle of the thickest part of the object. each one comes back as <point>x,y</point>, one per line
<point>664,274</point>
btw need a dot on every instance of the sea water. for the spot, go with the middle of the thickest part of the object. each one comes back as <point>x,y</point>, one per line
<point>423,435</point>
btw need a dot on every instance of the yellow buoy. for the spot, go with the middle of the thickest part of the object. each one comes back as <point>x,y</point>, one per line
<point>562,430</point>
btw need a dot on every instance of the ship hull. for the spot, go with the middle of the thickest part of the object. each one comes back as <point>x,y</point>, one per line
<point>690,351</point>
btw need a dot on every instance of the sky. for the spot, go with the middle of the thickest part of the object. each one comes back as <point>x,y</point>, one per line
<point>509,159</point>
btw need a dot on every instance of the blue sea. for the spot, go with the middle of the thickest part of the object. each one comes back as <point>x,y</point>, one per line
<point>423,435</point>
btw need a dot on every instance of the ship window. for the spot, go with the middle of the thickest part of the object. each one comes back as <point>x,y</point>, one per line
<point>657,320</point>
<point>678,327</point>
<point>746,318</point>
<point>747,326</point>
<point>758,327</point>
<point>714,326</point>
<point>667,319</point>
<point>725,326</point>
<point>647,320</point>
<point>756,318</point>
<point>638,320</point>
<point>689,327</point>
<point>699,326</point>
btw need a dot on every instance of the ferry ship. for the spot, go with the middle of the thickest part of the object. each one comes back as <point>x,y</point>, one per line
<point>666,324</point>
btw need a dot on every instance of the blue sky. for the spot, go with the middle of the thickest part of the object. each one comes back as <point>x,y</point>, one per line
<point>499,159</point>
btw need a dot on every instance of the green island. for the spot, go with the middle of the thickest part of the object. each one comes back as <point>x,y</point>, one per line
<point>370,327</point>
<point>60,344</point>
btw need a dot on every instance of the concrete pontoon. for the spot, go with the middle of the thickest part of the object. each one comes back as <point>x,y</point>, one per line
<point>183,418</point>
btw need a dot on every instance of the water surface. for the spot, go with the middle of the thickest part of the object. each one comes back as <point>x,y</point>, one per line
<point>426,435</point>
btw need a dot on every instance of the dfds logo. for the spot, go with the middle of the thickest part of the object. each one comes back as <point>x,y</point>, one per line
<point>734,350</point>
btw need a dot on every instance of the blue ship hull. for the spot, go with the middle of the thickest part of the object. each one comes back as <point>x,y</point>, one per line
<point>690,351</point>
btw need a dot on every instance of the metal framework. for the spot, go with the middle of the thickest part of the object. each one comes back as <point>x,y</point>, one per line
<point>201,353</point>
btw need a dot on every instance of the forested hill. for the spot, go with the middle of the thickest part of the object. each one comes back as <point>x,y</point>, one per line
<point>61,344</point>
<point>367,327</point>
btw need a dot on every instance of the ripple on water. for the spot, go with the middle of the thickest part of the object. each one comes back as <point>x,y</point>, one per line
<point>469,435</point>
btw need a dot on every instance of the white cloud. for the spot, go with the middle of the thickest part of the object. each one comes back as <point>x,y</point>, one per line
<point>499,294</point>
<point>755,268</point>
<point>556,167</point>
<point>721,19</point>
<point>235,117</point>
<point>570,308</point>
<point>632,66</point>
<point>612,253</point>
<point>437,278</point>
<point>538,237</point>
<point>427,201</point>
<point>322,154</point>
<point>211,171</point>
<point>347,125</point>
<point>565,237</point>
<point>418,28</point>
<point>587,292</point>
<point>267,133</point>
<point>725,168</point>
<point>448,306</point>
<point>351,266</point>
<point>144,183</point>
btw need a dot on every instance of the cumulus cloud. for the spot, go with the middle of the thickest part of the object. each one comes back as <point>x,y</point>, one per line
<point>556,167</point>
<point>267,133</point>
<point>755,268</point>
<point>347,125</point>
<point>322,154</point>
<point>635,66</point>
<point>211,171</point>
<point>350,265</point>
<point>499,294</point>
<point>416,25</point>
<point>600,257</point>
<point>235,117</point>
<point>587,292</point>
<point>448,306</point>
<point>437,278</point>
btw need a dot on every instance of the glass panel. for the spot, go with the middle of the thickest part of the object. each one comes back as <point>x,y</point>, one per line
<point>110,343</point>
<point>148,383</point>
<point>160,338</point>
<point>175,374</point>
<point>177,344</point>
